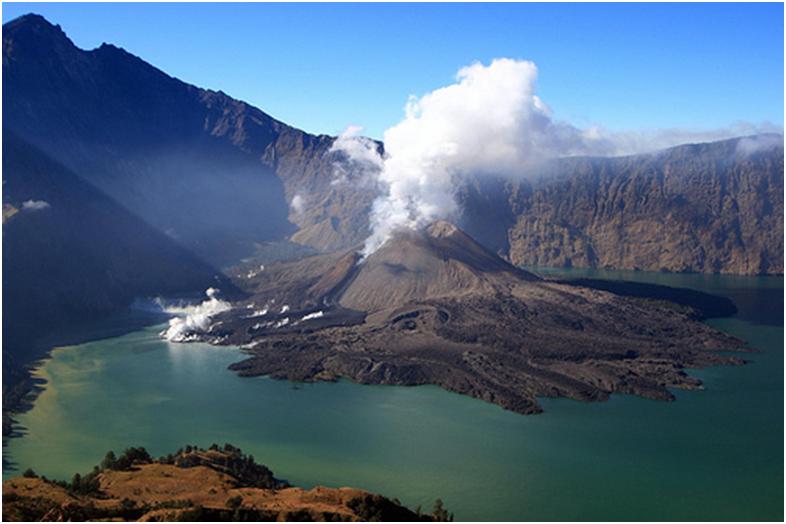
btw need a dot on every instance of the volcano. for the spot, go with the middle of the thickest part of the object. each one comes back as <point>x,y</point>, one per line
<point>436,307</point>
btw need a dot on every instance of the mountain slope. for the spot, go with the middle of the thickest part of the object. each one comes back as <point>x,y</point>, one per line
<point>71,254</point>
<point>442,262</point>
<point>211,171</point>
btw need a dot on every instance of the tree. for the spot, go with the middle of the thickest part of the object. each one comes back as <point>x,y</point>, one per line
<point>130,457</point>
<point>138,455</point>
<point>110,461</point>
<point>76,482</point>
<point>89,483</point>
<point>29,474</point>
<point>440,513</point>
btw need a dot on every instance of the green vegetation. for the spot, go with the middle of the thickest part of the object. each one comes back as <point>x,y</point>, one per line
<point>109,461</point>
<point>440,513</point>
<point>126,460</point>
<point>87,485</point>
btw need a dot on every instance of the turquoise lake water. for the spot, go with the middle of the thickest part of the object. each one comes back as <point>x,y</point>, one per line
<point>715,454</point>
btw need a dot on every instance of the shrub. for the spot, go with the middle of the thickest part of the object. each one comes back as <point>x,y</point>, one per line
<point>234,502</point>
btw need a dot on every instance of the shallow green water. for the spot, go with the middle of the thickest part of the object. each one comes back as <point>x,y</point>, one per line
<point>712,455</point>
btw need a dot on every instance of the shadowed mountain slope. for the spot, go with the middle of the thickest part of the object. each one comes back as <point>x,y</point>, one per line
<point>213,172</point>
<point>72,255</point>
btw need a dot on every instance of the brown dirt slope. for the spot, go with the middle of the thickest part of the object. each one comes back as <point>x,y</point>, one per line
<point>191,485</point>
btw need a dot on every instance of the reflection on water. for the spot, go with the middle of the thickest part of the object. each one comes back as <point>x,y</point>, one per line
<point>712,455</point>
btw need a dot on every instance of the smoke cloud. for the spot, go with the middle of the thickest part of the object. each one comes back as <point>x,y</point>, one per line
<point>35,205</point>
<point>298,204</point>
<point>754,144</point>
<point>358,148</point>
<point>490,121</point>
<point>635,142</point>
<point>193,320</point>
<point>361,160</point>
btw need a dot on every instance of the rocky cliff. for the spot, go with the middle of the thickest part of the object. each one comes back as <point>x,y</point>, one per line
<point>709,208</point>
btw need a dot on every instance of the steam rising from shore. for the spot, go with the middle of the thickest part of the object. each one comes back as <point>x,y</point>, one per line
<point>193,320</point>
<point>489,122</point>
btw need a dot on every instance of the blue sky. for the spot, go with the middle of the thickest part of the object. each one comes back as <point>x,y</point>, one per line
<point>322,67</point>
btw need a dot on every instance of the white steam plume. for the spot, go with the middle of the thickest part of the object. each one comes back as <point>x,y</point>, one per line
<point>634,142</point>
<point>754,144</point>
<point>359,148</point>
<point>488,122</point>
<point>35,205</point>
<point>193,320</point>
<point>298,204</point>
<point>362,155</point>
